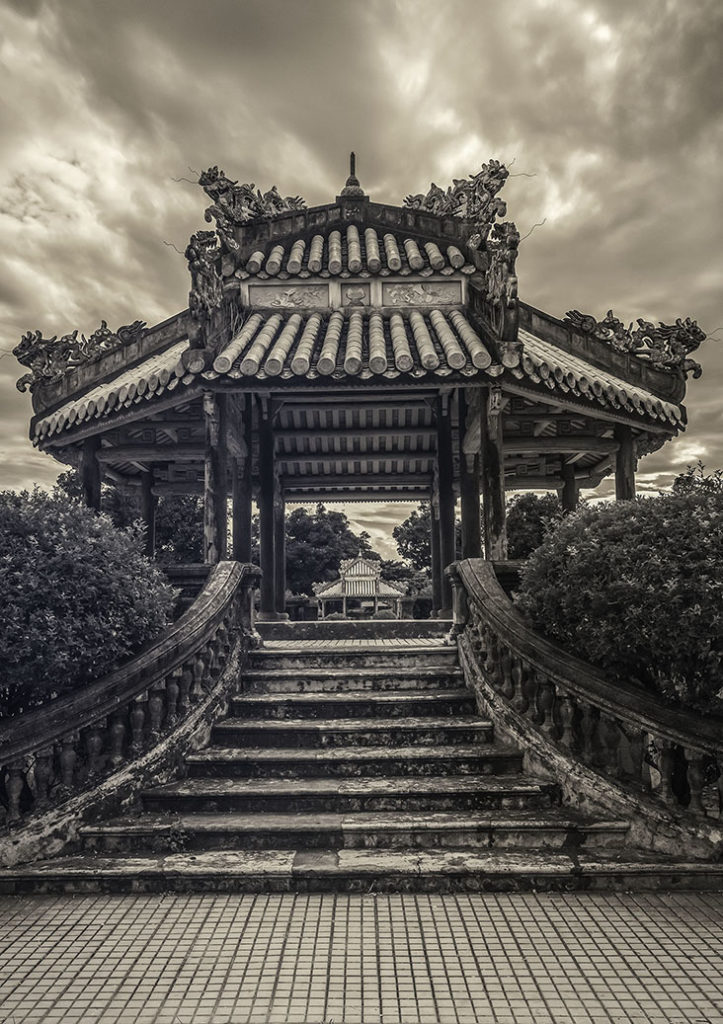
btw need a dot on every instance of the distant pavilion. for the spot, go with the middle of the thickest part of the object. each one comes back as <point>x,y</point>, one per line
<point>357,351</point>
<point>359,579</point>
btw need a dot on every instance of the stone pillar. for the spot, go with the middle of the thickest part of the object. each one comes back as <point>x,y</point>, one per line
<point>279,550</point>
<point>436,557</point>
<point>624,463</point>
<point>569,493</point>
<point>90,472</point>
<point>445,476</point>
<point>240,425</point>
<point>469,483</point>
<point>493,474</point>
<point>148,511</point>
<point>215,525</point>
<point>266,511</point>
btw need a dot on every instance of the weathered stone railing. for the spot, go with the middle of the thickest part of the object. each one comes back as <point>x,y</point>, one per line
<point>72,744</point>
<point>625,734</point>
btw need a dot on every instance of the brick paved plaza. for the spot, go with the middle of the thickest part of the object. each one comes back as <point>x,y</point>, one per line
<point>237,959</point>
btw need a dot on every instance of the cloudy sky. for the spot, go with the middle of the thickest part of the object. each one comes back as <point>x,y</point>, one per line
<point>610,113</point>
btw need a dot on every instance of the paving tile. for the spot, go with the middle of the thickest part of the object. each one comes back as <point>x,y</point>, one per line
<point>412,959</point>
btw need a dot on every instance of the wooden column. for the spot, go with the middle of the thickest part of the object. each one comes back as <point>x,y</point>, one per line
<point>148,511</point>
<point>445,476</point>
<point>493,474</point>
<point>90,472</point>
<point>279,550</point>
<point>436,558</point>
<point>266,510</point>
<point>570,490</point>
<point>215,481</point>
<point>624,463</point>
<point>240,427</point>
<point>469,484</point>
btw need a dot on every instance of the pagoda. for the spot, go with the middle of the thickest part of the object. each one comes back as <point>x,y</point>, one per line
<point>358,351</point>
<point>361,580</point>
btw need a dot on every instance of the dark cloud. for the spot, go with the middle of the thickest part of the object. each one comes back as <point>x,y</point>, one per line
<point>611,112</point>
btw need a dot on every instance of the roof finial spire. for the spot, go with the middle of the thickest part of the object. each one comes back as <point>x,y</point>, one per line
<point>352,187</point>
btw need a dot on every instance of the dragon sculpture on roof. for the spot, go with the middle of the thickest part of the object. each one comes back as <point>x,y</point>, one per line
<point>48,359</point>
<point>233,204</point>
<point>665,346</point>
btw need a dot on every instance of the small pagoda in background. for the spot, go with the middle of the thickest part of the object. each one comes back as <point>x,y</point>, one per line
<point>360,579</point>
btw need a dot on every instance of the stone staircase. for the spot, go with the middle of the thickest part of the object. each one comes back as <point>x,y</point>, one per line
<point>355,765</point>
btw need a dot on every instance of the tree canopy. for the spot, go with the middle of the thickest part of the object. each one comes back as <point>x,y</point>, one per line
<point>316,543</point>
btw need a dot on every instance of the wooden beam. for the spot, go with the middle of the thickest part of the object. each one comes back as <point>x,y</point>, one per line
<point>310,434</point>
<point>445,482</point>
<point>557,445</point>
<point>570,490</point>
<point>153,453</point>
<point>493,475</point>
<point>279,551</point>
<point>319,482</point>
<point>148,512</point>
<point>469,481</point>
<point>267,482</point>
<point>215,478</point>
<point>90,475</point>
<point>625,464</point>
<point>436,555</point>
<point>240,429</point>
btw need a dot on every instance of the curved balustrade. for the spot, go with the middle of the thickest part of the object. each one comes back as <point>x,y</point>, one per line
<point>72,743</point>
<point>618,730</point>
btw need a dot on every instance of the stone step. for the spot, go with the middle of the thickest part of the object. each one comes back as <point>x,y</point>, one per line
<point>359,871</point>
<point>340,680</point>
<point>274,706</point>
<point>353,657</point>
<point>162,833</point>
<point>342,796</point>
<point>349,762</point>
<point>304,733</point>
<point>338,630</point>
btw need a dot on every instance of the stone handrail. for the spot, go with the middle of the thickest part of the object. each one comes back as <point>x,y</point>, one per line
<point>72,743</point>
<point>617,729</point>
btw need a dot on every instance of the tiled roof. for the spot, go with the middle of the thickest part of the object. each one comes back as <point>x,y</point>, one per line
<point>559,370</point>
<point>354,251</point>
<point>360,587</point>
<point>153,376</point>
<point>355,344</point>
<point>419,344</point>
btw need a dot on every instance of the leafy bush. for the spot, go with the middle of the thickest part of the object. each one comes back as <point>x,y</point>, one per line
<point>77,597</point>
<point>334,617</point>
<point>384,613</point>
<point>529,517</point>
<point>636,587</point>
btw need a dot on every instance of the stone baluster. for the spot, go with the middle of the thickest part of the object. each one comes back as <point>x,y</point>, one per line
<point>545,706</point>
<point>520,700</point>
<point>155,709</point>
<point>588,732</point>
<point>67,758</point>
<point>138,721</point>
<point>43,776</point>
<point>198,669</point>
<point>173,690</point>
<point>529,692</point>
<point>507,686</point>
<point>94,748</point>
<point>610,736</point>
<point>666,764</point>
<point>14,785</point>
<point>695,774</point>
<point>632,762</point>
<point>116,737</point>
<point>184,688</point>
<point>566,715</point>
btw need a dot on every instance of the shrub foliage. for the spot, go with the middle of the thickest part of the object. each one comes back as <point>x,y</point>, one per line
<point>76,597</point>
<point>637,588</point>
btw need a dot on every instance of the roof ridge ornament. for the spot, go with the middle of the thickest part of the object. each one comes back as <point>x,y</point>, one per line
<point>665,347</point>
<point>352,189</point>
